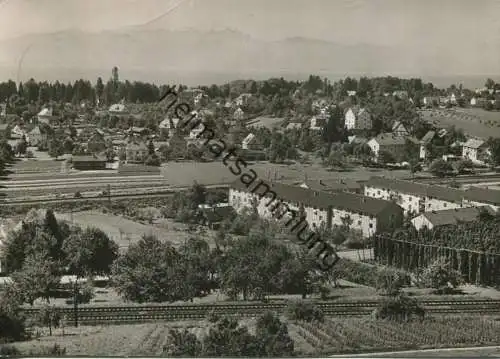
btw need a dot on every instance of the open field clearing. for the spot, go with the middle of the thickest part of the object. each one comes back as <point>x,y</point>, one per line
<point>473,121</point>
<point>178,173</point>
<point>124,231</point>
<point>334,336</point>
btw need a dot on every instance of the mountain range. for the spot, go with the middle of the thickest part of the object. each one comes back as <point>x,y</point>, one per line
<point>203,57</point>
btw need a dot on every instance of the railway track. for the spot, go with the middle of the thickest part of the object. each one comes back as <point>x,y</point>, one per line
<point>164,193</point>
<point>142,314</point>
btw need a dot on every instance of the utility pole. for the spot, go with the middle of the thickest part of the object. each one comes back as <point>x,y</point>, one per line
<point>75,302</point>
<point>109,195</point>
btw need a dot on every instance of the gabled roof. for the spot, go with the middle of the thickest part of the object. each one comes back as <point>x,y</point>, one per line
<point>419,189</point>
<point>45,112</point>
<point>317,199</point>
<point>428,137</point>
<point>389,139</point>
<point>473,143</point>
<point>137,146</point>
<point>455,216</point>
<point>398,126</point>
<point>117,107</point>
<point>329,185</point>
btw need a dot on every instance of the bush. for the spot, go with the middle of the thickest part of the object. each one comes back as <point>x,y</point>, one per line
<point>9,351</point>
<point>365,274</point>
<point>400,308</point>
<point>55,350</point>
<point>390,282</point>
<point>78,194</point>
<point>11,328</point>
<point>85,294</point>
<point>301,310</point>
<point>440,276</point>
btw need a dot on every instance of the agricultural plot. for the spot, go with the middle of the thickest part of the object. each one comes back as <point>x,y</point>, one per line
<point>473,121</point>
<point>334,336</point>
<point>124,231</point>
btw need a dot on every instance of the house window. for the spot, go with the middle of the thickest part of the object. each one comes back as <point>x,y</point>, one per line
<point>359,223</point>
<point>378,192</point>
<point>445,205</point>
<point>370,225</point>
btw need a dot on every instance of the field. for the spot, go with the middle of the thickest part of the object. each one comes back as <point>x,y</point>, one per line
<point>334,336</point>
<point>216,172</point>
<point>124,231</point>
<point>473,121</point>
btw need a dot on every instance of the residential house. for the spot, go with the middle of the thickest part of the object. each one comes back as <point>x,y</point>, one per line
<point>239,114</point>
<point>96,143</point>
<point>294,125</point>
<point>318,122</point>
<point>424,143</point>
<point>361,213</point>
<point>200,99</point>
<point>475,150</point>
<point>357,140</point>
<point>88,163</point>
<point>38,136</point>
<point>449,217</point>
<point>415,197</point>
<point>351,93</point>
<point>3,109</point>
<point>402,95</point>
<point>169,125</point>
<point>138,131</point>
<point>4,130</point>
<point>136,152</point>
<point>252,142</point>
<point>387,142</point>
<point>357,118</point>
<point>478,101</point>
<point>45,116</point>
<point>476,196</point>
<point>398,129</point>
<point>18,132</point>
<point>242,100</point>
<point>431,101</point>
<point>453,99</point>
<point>213,216</point>
<point>118,109</point>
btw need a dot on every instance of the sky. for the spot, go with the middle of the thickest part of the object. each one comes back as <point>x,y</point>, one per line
<point>385,22</point>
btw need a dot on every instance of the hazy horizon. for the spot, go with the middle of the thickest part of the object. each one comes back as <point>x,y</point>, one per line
<point>455,39</point>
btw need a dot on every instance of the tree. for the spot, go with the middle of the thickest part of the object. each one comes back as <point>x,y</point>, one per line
<point>48,316</point>
<point>440,168</point>
<point>494,145</point>
<point>272,337</point>
<point>147,272</point>
<point>56,148</point>
<point>227,338</point>
<point>38,278</point>
<point>22,146</point>
<point>90,252</point>
<point>182,344</point>
<point>489,84</point>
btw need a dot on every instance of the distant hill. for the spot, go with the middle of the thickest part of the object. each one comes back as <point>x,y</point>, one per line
<point>199,57</point>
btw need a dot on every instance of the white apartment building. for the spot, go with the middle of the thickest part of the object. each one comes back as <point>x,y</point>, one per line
<point>358,119</point>
<point>367,215</point>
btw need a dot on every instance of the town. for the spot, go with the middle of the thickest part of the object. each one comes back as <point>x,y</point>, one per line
<point>107,199</point>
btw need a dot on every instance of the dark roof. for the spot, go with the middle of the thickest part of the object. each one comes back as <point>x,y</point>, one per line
<point>420,189</point>
<point>428,137</point>
<point>454,216</point>
<point>216,214</point>
<point>390,139</point>
<point>483,195</point>
<point>329,185</point>
<point>317,199</point>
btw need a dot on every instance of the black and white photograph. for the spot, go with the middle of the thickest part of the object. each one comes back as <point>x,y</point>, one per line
<point>250,178</point>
